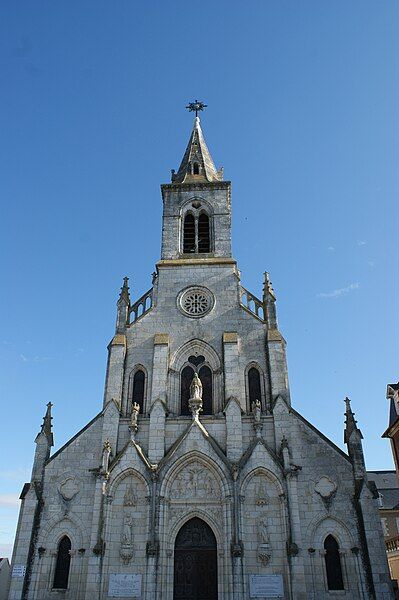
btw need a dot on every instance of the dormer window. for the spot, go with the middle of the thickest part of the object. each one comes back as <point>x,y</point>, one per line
<point>196,234</point>
<point>196,170</point>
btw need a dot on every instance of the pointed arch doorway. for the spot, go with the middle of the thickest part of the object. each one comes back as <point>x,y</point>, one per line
<point>195,570</point>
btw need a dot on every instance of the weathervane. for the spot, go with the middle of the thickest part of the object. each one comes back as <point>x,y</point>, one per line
<point>196,106</point>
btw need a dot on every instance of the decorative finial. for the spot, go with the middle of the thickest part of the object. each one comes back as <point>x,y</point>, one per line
<point>196,107</point>
<point>46,427</point>
<point>348,405</point>
<point>124,295</point>
<point>267,286</point>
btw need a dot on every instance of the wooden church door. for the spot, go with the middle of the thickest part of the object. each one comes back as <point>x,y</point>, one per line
<point>195,573</point>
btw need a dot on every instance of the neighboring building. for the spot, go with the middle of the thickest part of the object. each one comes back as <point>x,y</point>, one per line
<point>158,499</point>
<point>387,484</point>
<point>393,428</point>
<point>5,578</point>
<point>388,511</point>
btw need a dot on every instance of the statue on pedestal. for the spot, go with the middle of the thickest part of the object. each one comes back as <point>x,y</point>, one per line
<point>195,401</point>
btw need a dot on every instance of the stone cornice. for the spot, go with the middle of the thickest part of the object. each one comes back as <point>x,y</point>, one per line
<point>184,262</point>
<point>186,187</point>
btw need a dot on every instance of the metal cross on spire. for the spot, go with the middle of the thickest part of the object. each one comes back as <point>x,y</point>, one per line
<point>196,107</point>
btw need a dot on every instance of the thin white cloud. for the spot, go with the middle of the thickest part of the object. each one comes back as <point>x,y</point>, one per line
<point>36,358</point>
<point>331,248</point>
<point>371,263</point>
<point>339,292</point>
<point>9,500</point>
<point>361,243</point>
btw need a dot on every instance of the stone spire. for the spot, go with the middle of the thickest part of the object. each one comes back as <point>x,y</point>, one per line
<point>123,306</point>
<point>124,295</point>
<point>353,439</point>
<point>44,440</point>
<point>269,302</point>
<point>46,428</point>
<point>197,163</point>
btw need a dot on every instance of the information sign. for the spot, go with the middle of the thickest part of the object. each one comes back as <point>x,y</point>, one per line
<point>124,585</point>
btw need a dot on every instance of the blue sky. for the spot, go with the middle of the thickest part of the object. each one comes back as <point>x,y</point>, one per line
<point>303,116</point>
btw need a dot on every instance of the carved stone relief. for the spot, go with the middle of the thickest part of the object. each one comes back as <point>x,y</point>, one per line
<point>195,482</point>
<point>68,489</point>
<point>129,498</point>
<point>326,489</point>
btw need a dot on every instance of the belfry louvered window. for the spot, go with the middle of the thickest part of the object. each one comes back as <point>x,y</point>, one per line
<point>203,233</point>
<point>189,234</point>
<point>333,564</point>
<point>196,234</point>
<point>63,564</point>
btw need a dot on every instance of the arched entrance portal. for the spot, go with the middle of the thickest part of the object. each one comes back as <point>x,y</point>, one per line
<point>195,576</point>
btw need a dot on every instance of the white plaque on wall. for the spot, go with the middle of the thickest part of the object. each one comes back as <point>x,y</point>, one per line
<point>18,571</point>
<point>124,585</point>
<point>266,586</point>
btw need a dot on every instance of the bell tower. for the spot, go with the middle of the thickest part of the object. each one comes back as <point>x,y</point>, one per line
<point>196,204</point>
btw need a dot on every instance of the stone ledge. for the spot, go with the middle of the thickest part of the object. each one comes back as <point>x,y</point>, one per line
<point>161,339</point>
<point>273,335</point>
<point>176,262</point>
<point>118,340</point>
<point>230,337</point>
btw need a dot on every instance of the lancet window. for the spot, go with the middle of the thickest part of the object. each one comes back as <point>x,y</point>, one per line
<point>254,387</point>
<point>205,375</point>
<point>333,564</point>
<point>137,385</point>
<point>63,564</point>
<point>196,233</point>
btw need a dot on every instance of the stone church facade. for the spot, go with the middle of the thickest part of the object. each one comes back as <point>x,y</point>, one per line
<point>198,479</point>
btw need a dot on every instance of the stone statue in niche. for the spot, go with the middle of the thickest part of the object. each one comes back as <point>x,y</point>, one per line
<point>263,534</point>
<point>126,549</point>
<point>127,532</point>
<point>195,400</point>
<point>129,498</point>
<point>196,388</point>
<point>264,551</point>
<point>256,410</point>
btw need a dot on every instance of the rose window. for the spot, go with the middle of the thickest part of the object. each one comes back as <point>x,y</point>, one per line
<point>196,302</point>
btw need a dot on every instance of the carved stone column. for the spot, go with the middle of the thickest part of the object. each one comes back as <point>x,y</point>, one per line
<point>237,548</point>
<point>152,544</point>
<point>294,543</point>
